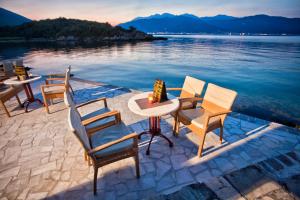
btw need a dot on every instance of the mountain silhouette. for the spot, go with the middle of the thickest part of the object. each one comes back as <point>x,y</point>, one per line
<point>8,18</point>
<point>188,23</point>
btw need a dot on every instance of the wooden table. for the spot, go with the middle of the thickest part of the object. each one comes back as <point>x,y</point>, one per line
<point>139,105</point>
<point>27,88</point>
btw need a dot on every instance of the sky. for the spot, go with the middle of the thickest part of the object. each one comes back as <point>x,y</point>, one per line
<point>118,11</point>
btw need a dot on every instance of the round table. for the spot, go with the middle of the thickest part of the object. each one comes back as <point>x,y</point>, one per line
<point>139,105</point>
<point>27,88</point>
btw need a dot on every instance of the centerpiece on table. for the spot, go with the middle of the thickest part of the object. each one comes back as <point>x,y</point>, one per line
<point>22,72</point>
<point>159,94</point>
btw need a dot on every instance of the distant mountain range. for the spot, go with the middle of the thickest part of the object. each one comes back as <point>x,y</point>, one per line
<point>222,24</point>
<point>188,23</point>
<point>8,18</point>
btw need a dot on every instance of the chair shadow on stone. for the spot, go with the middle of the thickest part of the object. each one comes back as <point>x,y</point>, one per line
<point>113,178</point>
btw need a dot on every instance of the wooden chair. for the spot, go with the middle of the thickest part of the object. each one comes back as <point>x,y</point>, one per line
<point>55,90</point>
<point>106,113</point>
<point>2,72</point>
<point>6,70</point>
<point>106,144</point>
<point>58,77</point>
<point>6,93</point>
<point>192,87</point>
<point>216,104</point>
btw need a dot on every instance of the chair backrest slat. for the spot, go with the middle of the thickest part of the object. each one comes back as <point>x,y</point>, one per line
<point>192,87</point>
<point>221,98</point>
<point>78,129</point>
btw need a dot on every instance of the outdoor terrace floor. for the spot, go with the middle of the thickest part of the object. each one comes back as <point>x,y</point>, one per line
<point>40,157</point>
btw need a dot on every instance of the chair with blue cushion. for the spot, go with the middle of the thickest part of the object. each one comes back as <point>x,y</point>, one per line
<point>106,143</point>
<point>102,115</point>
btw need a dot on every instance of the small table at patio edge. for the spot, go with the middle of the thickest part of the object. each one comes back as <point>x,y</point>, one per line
<point>154,114</point>
<point>27,88</point>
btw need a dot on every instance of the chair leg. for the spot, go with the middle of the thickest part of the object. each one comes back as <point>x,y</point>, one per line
<point>71,89</point>
<point>45,103</point>
<point>5,109</point>
<point>18,99</point>
<point>221,134</point>
<point>85,156</point>
<point>200,149</point>
<point>47,107</point>
<point>95,179</point>
<point>174,127</point>
<point>177,127</point>
<point>90,163</point>
<point>137,165</point>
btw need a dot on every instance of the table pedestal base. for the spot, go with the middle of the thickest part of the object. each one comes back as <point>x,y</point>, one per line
<point>154,123</point>
<point>30,97</point>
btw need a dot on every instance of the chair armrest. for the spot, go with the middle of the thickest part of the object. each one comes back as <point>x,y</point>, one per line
<point>174,89</point>
<point>54,84</point>
<point>93,101</point>
<point>55,79</point>
<point>57,75</point>
<point>50,85</point>
<point>109,144</point>
<point>114,113</point>
<point>219,113</point>
<point>214,115</point>
<point>51,75</point>
<point>190,99</point>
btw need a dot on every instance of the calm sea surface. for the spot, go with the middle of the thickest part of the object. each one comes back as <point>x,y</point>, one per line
<point>264,70</point>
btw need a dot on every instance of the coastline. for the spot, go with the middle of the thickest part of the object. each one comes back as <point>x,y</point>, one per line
<point>80,40</point>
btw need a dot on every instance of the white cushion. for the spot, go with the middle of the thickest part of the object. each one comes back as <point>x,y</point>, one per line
<point>198,117</point>
<point>77,128</point>
<point>68,99</point>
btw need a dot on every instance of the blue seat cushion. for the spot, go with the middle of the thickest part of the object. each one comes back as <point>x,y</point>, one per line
<point>111,134</point>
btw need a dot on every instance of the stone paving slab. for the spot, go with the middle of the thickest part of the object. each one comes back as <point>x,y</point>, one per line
<point>40,157</point>
<point>256,185</point>
<point>191,192</point>
<point>293,184</point>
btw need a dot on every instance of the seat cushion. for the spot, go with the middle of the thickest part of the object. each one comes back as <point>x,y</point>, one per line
<point>185,105</point>
<point>54,89</point>
<point>6,92</point>
<point>95,113</point>
<point>197,117</point>
<point>111,134</point>
<point>4,89</point>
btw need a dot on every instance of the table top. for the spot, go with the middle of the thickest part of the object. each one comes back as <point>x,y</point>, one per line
<point>14,80</point>
<point>156,111</point>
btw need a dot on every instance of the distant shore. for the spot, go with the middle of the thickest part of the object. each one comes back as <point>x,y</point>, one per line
<point>224,34</point>
<point>77,40</point>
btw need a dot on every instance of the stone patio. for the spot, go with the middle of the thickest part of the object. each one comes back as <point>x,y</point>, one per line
<point>40,158</point>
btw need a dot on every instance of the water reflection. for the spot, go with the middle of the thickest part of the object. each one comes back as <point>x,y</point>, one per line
<point>264,70</point>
